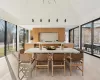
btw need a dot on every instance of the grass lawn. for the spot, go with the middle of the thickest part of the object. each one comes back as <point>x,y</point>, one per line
<point>2,50</point>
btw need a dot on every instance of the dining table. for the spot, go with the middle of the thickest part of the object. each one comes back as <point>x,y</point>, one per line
<point>57,50</point>
<point>35,51</point>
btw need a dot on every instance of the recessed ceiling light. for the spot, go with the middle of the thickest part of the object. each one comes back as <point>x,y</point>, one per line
<point>49,1</point>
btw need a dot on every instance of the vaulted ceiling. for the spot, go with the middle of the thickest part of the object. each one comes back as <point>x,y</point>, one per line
<point>75,12</point>
<point>36,9</point>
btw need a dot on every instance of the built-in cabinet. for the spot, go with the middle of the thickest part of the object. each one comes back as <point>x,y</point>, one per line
<point>36,32</point>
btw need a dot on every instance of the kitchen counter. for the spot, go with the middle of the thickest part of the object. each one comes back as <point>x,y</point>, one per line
<point>46,43</point>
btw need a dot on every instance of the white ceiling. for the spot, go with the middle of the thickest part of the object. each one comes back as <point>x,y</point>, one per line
<point>35,9</point>
<point>75,12</point>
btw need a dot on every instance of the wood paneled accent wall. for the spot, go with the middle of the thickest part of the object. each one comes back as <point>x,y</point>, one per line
<point>37,31</point>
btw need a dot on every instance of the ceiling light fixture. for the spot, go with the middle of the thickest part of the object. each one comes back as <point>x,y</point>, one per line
<point>40,20</point>
<point>56,20</point>
<point>32,20</point>
<point>65,20</point>
<point>48,20</point>
<point>49,1</point>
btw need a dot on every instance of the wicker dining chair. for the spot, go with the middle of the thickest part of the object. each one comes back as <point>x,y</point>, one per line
<point>24,65</point>
<point>42,61</point>
<point>58,60</point>
<point>75,60</point>
<point>21,51</point>
<point>68,45</point>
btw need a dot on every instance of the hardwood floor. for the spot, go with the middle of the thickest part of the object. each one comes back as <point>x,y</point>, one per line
<point>8,70</point>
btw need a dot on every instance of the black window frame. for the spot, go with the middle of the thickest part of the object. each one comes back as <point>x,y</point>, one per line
<point>92,36</point>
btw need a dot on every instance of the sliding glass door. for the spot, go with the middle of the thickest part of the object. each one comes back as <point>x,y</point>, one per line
<point>26,36</point>
<point>71,36</point>
<point>2,31</point>
<point>86,38</point>
<point>89,37</point>
<point>11,37</point>
<point>96,42</point>
<point>76,37</point>
<point>8,37</point>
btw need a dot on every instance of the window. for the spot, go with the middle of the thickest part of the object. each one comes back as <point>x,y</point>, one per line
<point>86,38</point>
<point>2,31</point>
<point>76,37</point>
<point>11,37</point>
<point>96,38</point>
<point>26,36</point>
<point>71,36</point>
<point>21,37</point>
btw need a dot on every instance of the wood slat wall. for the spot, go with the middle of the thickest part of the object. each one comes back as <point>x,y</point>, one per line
<point>36,31</point>
<point>28,46</point>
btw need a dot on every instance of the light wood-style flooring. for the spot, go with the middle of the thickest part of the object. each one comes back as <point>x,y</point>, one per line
<point>8,70</point>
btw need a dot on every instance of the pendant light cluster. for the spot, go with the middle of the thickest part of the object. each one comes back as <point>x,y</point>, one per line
<point>57,20</point>
<point>49,1</point>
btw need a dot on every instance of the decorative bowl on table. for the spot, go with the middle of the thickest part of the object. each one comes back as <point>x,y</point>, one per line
<point>51,48</point>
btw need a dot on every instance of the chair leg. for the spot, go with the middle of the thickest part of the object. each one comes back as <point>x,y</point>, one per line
<point>52,68</point>
<point>36,68</point>
<point>70,70</point>
<point>48,67</point>
<point>64,68</point>
<point>18,69</point>
<point>82,70</point>
<point>30,72</point>
<point>70,66</point>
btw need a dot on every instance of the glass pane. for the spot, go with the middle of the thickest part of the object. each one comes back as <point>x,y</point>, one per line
<point>21,37</point>
<point>71,36</point>
<point>96,43</point>
<point>66,36</point>
<point>86,37</point>
<point>11,37</point>
<point>76,37</point>
<point>26,36</point>
<point>2,30</point>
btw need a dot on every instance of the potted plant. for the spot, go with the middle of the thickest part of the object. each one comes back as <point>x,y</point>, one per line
<point>23,45</point>
<point>31,38</point>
